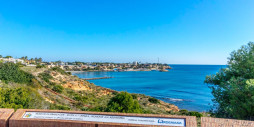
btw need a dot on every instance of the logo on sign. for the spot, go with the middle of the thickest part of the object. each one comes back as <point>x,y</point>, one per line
<point>168,122</point>
<point>28,115</point>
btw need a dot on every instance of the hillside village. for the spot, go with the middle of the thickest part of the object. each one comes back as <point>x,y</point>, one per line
<point>85,66</point>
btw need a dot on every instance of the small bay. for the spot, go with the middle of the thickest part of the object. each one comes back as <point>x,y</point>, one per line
<point>183,85</point>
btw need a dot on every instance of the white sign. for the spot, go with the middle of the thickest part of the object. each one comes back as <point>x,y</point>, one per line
<point>107,118</point>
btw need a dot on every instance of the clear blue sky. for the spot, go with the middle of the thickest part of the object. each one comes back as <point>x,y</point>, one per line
<point>176,31</point>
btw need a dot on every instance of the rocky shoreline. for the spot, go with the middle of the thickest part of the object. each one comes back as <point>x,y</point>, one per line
<point>97,78</point>
<point>95,97</point>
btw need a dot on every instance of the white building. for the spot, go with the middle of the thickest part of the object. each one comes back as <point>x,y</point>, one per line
<point>12,60</point>
<point>135,63</point>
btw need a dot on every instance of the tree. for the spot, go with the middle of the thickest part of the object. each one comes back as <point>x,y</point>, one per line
<point>8,57</point>
<point>32,60</point>
<point>233,87</point>
<point>1,56</point>
<point>36,60</point>
<point>123,102</point>
<point>24,58</point>
<point>97,68</point>
<point>58,62</point>
<point>40,60</point>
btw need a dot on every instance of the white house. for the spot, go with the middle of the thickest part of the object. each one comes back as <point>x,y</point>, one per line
<point>12,60</point>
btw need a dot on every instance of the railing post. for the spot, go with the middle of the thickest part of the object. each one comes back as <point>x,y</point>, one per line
<point>5,115</point>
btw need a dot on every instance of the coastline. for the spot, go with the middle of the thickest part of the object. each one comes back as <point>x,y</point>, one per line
<point>97,78</point>
<point>166,70</point>
<point>168,86</point>
<point>166,105</point>
<point>89,71</point>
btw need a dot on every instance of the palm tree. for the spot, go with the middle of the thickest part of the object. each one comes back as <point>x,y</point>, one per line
<point>40,60</point>
<point>32,60</point>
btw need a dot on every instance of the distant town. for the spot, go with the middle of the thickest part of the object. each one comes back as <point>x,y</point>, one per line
<point>87,66</point>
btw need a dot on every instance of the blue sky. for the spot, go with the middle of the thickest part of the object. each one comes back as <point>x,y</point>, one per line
<point>176,31</point>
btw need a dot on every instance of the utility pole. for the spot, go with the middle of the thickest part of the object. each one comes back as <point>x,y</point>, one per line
<point>158,64</point>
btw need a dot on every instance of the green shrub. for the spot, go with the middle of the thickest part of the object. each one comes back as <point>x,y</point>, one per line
<point>114,92</point>
<point>171,112</point>
<point>134,96</point>
<point>193,113</point>
<point>52,83</point>
<point>188,113</point>
<point>79,104</point>
<point>78,97</point>
<point>123,102</point>
<point>10,72</point>
<point>144,103</point>
<point>14,98</point>
<point>46,76</point>
<point>84,109</point>
<point>40,66</point>
<point>153,100</point>
<point>62,107</point>
<point>97,109</point>
<point>58,69</point>
<point>58,88</point>
<point>183,112</point>
<point>35,83</point>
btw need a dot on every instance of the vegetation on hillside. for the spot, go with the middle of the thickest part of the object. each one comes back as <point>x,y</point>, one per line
<point>58,88</point>
<point>123,102</point>
<point>22,97</point>
<point>43,88</point>
<point>45,76</point>
<point>153,100</point>
<point>58,69</point>
<point>233,87</point>
<point>189,113</point>
<point>53,88</point>
<point>14,98</point>
<point>10,72</point>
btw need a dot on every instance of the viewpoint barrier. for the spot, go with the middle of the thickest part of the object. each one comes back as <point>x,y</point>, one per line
<point>219,122</point>
<point>5,114</point>
<point>60,118</point>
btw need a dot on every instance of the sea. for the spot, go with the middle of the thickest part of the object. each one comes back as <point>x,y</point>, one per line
<point>183,85</point>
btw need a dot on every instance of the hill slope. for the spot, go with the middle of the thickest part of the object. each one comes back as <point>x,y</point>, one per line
<point>54,88</point>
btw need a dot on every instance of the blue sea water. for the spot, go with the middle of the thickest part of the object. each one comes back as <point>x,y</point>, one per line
<point>183,85</point>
